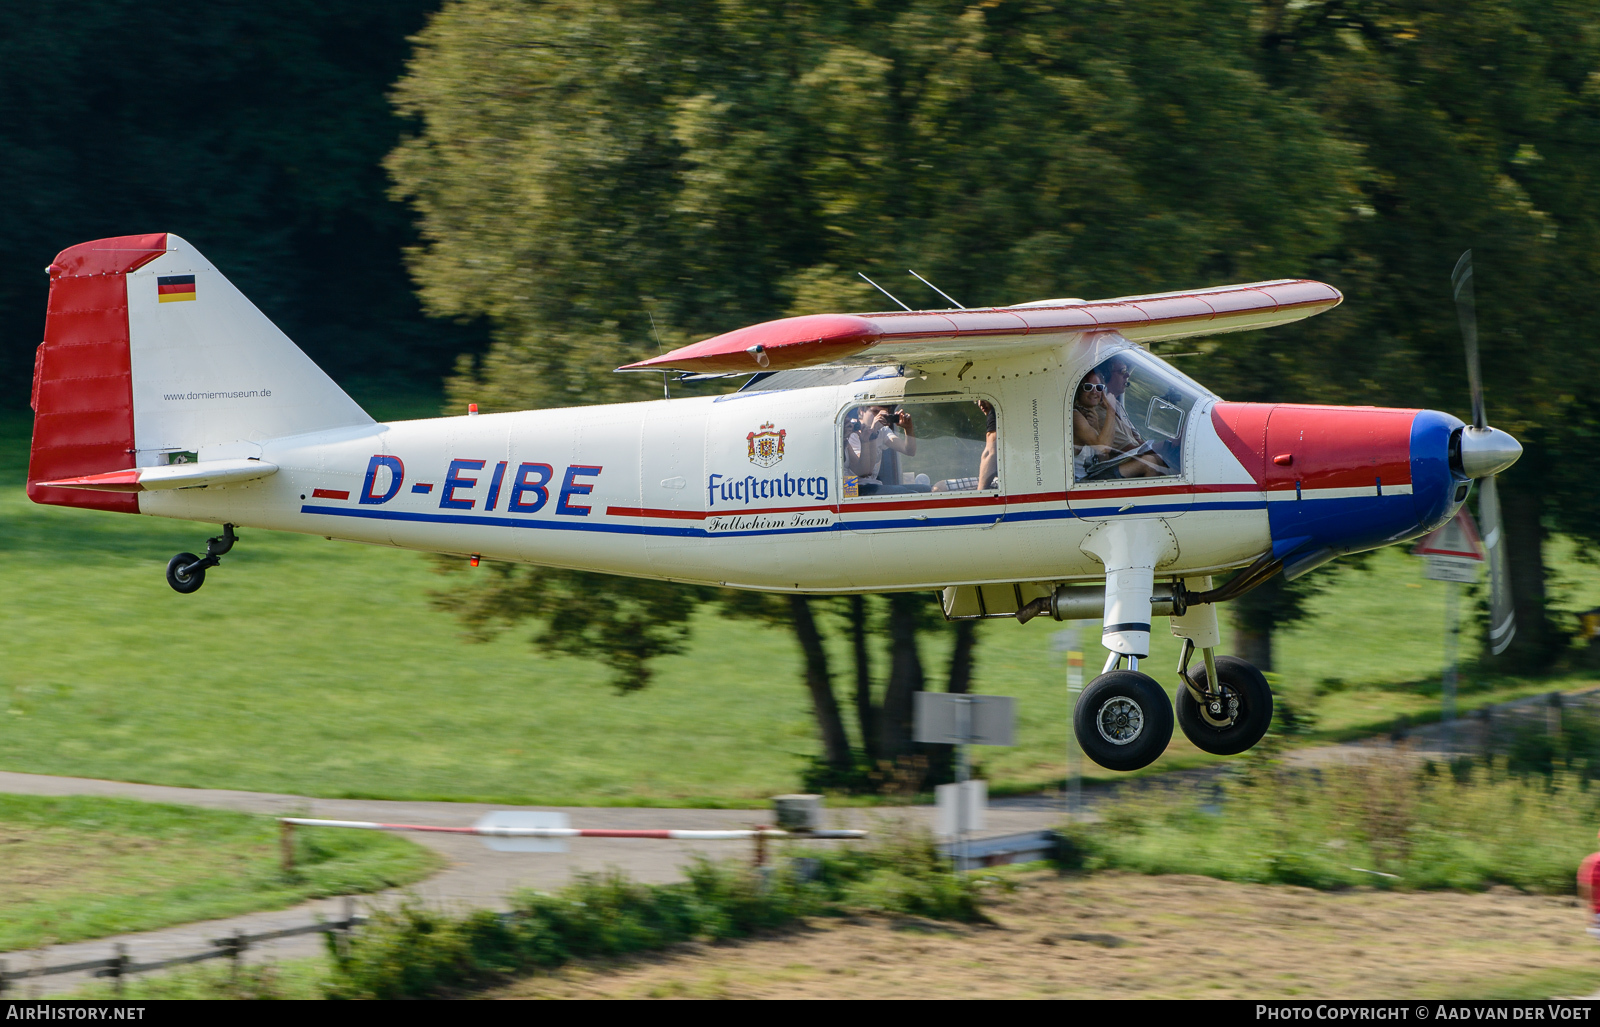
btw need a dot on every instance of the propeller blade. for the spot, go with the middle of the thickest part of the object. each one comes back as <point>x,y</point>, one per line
<point>1502,615</point>
<point>1466,310</point>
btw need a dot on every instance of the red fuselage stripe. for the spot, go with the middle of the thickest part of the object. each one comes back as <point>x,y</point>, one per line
<point>1086,495</point>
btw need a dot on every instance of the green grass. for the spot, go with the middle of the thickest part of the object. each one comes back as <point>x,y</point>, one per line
<point>78,867</point>
<point>319,668</point>
<point>302,979</point>
<point>1383,823</point>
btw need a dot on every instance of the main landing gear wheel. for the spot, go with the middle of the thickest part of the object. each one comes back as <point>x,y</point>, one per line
<point>186,573</point>
<point>1233,718</point>
<point>1123,720</point>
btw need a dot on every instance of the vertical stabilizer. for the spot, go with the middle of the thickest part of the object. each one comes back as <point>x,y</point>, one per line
<point>151,357</point>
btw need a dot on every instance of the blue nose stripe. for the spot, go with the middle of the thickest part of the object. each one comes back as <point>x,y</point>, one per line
<point>1433,484</point>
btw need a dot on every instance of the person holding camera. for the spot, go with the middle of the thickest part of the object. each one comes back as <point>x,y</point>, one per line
<point>875,438</point>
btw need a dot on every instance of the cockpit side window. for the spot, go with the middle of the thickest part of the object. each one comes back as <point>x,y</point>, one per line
<point>1129,418</point>
<point>892,449</point>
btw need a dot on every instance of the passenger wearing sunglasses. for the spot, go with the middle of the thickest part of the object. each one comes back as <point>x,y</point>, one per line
<point>1099,452</point>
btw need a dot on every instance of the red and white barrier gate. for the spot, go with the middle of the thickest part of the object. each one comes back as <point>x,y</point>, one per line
<point>540,831</point>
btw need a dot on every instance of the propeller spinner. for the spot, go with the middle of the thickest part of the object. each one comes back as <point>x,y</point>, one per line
<point>1481,453</point>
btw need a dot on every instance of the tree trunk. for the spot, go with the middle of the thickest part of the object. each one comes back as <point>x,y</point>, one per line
<point>1533,649</point>
<point>961,656</point>
<point>905,675</point>
<point>866,713</point>
<point>1253,643</point>
<point>942,758</point>
<point>835,746</point>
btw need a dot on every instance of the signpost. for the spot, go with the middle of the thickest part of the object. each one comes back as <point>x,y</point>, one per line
<point>1066,641</point>
<point>1455,554</point>
<point>960,719</point>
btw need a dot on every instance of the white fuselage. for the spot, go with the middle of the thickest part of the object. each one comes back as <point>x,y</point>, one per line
<point>674,490</point>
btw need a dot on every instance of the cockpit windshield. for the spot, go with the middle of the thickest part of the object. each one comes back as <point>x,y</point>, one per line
<point>1130,414</point>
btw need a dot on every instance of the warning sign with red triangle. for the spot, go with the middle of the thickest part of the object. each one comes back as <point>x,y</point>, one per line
<point>1457,537</point>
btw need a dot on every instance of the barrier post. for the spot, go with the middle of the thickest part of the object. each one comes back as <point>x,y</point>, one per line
<point>119,964</point>
<point>286,845</point>
<point>761,845</point>
<point>341,939</point>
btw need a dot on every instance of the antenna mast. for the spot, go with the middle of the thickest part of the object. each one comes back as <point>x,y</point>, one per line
<point>881,289</point>
<point>660,349</point>
<point>935,288</point>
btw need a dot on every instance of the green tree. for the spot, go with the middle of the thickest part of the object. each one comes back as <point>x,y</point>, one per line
<point>1479,126</point>
<point>584,174</point>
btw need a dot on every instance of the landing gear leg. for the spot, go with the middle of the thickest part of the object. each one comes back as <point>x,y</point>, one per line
<point>1123,719</point>
<point>186,572</point>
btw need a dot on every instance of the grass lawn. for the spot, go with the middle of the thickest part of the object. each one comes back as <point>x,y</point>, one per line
<point>319,668</point>
<point>81,867</point>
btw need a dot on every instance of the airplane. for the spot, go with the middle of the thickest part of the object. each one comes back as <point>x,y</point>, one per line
<point>1022,461</point>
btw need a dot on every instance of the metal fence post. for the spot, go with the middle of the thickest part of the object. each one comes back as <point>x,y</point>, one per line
<point>342,939</point>
<point>119,963</point>
<point>761,845</point>
<point>286,845</point>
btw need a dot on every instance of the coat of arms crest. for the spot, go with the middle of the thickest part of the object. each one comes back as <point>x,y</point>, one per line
<point>766,445</point>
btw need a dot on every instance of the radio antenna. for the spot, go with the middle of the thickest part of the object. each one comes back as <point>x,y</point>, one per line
<point>660,349</point>
<point>881,289</point>
<point>935,288</point>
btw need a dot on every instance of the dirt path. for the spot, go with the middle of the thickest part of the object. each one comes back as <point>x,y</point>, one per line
<point>475,876</point>
<point>1116,935</point>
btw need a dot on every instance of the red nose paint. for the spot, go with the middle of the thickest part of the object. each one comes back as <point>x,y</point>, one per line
<point>1328,447</point>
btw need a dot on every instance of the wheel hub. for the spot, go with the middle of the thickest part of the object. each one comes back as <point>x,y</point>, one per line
<point>1220,711</point>
<point>1120,720</point>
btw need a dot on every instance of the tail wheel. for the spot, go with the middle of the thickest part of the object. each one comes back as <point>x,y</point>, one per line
<point>180,577</point>
<point>1123,720</point>
<point>1236,715</point>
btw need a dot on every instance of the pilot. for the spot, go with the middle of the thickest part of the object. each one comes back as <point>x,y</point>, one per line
<point>1107,452</point>
<point>874,441</point>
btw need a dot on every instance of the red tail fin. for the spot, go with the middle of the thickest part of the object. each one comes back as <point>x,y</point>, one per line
<point>82,376</point>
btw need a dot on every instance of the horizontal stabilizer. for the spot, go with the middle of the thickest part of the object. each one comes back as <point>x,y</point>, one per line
<point>171,476</point>
<point>944,334</point>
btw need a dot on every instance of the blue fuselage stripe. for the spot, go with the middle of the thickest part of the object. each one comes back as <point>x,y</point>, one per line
<point>863,524</point>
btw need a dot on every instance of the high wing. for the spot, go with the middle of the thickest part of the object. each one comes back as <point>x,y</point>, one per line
<point>922,335</point>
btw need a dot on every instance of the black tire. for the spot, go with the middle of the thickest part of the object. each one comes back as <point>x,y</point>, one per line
<point>1240,681</point>
<point>1123,720</point>
<point>180,581</point>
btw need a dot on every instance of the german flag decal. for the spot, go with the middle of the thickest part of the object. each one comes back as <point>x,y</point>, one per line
<point>174,288</point>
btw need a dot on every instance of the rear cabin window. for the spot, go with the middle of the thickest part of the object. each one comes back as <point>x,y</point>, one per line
<point>1129,416</point>
<point>894,449</point>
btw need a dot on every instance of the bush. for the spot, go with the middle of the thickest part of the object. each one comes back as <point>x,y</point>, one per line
<point>1475,826</point>
<point>415,952</point>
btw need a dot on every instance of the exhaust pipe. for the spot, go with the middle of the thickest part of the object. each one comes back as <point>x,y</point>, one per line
<point>1089,603</point>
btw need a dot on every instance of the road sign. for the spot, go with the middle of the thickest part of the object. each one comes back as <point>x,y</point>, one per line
<point>524,818</point>
<point>955,718</point>
<point>1453,550</point>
